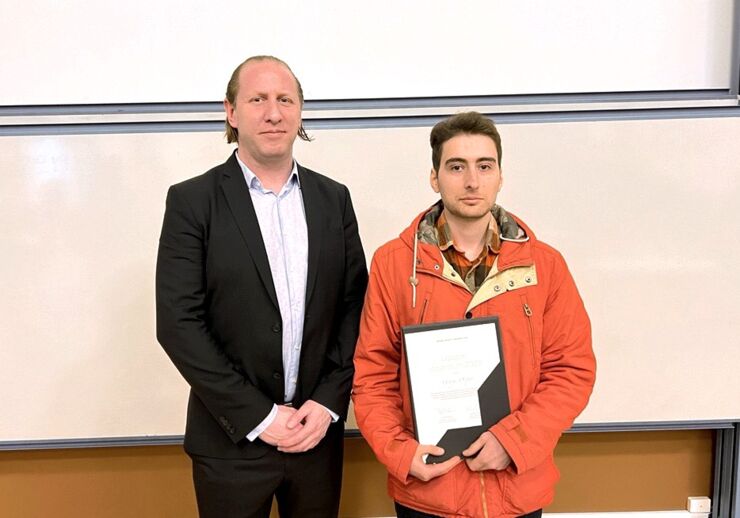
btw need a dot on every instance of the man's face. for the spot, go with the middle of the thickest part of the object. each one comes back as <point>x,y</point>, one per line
<point>266,112</point>
<point>469,177</point>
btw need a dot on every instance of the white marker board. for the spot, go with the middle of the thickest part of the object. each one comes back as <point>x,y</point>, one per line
<point>645,213</point>
<point>139,51</point>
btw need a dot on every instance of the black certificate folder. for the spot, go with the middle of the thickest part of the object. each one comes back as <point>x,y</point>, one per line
<point>458,382</point>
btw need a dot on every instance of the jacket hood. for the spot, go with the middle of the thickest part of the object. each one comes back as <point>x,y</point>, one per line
<point>421,238</point>
<point>511,228</point>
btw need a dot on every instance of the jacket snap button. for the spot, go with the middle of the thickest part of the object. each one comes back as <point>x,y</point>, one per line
<point>468,315</point>
<point>436,267</point>
<point>528,279</point>
<point>497,288</point>
<point>511,283</point>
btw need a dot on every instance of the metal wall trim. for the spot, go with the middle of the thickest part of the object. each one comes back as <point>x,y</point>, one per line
<point>372,122</point>
<point>167,440</point>
<point>378,104</point>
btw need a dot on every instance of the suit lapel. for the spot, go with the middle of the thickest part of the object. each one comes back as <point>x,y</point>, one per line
<point>237,195</point>
<point>314,224</point>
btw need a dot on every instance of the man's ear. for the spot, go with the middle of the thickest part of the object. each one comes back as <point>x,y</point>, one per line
<point>434,180</point>
<point>230,113</point>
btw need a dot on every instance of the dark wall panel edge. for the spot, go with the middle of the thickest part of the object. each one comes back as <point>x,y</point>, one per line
<point>167,440</point>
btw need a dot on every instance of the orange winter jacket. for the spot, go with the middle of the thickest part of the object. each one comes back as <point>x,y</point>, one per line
<point>550,368</point>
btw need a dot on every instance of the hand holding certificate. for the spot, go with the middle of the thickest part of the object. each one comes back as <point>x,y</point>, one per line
<point>458,383</point>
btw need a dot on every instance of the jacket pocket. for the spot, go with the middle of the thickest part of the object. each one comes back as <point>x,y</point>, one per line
<point>529,315</point>
<point>423,310</point>
<point>531,490</point>
<point>435,496</point>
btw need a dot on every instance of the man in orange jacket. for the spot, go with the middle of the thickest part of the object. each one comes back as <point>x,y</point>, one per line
<point>467,257</point>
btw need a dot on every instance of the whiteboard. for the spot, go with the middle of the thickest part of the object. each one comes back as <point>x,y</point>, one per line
<point>143,51</point>
<point>645,213</point>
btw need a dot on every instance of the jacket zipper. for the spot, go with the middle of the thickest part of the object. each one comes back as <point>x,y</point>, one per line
<point>483,494</point>
<point>528,314</point>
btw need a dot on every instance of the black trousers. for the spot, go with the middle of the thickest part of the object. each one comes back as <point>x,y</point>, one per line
<point>405,512</point>
<point>304,484</point>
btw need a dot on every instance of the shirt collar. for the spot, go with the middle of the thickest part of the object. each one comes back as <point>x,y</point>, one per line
<point>254,183</point>
<point>444,236</point>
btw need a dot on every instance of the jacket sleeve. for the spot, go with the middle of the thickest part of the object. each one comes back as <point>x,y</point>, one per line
<point>334,388</point>
<point>567,373</point>
<point>182,323</point>
<point>376,392</point>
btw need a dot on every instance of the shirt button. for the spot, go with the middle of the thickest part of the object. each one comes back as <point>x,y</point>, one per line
<point>276,328</point>
<point>277,375</point>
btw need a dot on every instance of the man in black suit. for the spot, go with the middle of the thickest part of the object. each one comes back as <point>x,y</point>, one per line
<point>260,281</point>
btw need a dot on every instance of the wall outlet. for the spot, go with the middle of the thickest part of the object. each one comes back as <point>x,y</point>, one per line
<point>699,504</point>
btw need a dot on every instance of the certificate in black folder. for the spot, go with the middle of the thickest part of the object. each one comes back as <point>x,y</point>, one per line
<point>458,382</point>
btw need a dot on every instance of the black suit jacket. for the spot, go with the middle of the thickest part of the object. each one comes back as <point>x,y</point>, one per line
<point>217,311</point>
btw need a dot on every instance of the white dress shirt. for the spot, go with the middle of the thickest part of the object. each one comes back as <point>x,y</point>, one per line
<point>282,221</point>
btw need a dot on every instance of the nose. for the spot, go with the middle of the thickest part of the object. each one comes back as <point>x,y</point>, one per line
<point>272,112</point>
<point>471,179</point>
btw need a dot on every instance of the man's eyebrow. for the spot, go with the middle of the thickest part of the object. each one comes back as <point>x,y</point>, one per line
<point>267,94</point>
<point>454,159</point>
<point>487,159</point>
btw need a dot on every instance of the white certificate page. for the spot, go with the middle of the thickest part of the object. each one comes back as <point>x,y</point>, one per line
<point>446,368</point>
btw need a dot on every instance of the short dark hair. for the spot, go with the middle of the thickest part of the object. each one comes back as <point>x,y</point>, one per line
<point>466,123</point>
<point>232,89</point>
